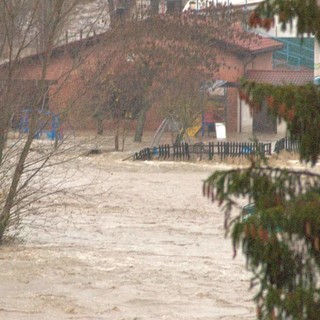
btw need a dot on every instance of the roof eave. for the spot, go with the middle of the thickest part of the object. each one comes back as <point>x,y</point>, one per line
<point>265,50</point>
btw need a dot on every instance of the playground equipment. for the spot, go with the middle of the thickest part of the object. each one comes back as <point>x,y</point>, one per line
<point>207,122</point>
<point>193,131</point>
<point>168,125</point>
<point>211,118</point>
<point>48,124</point>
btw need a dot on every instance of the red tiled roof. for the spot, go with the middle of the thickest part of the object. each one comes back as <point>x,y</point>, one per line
<point>241,42</point>
<point>244,41</point>
<point>280,77</point>
<point>263,44</point>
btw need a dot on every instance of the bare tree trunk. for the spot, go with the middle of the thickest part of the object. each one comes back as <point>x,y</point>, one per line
<point>3,140</point>
<point>116,136</point>
<point>125,129</point>
<point>140,123</point>
<point>16,182</point>
<point>112,13</point>
<point>6,112</point>
<point>10,198</point>
<point>99,126</point>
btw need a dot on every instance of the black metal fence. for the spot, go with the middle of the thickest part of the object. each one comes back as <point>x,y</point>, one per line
<point>286,144</point>
<point>184,151</point>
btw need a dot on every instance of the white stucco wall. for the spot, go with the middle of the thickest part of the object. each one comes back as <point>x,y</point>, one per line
<point>245,124</point>
<point>282,128</point>
<point>246,120</point>
<point>276,30</point>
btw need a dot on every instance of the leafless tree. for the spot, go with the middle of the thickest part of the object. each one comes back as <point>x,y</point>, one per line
<point>25,93</point>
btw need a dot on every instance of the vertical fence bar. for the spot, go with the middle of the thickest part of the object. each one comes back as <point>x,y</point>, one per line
<point>210,151</point>
<point>188,151</point>
<point>269,148</point>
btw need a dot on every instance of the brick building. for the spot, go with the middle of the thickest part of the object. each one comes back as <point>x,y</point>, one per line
<point>238,59</point>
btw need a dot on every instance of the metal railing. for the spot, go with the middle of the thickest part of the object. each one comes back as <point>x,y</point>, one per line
<point>295,54</point>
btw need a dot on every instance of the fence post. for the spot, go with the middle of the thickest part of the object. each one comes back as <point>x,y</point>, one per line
<point>210,151</point>
<point>279,145</point>
<point>269,148</point>
<point>187,151</point>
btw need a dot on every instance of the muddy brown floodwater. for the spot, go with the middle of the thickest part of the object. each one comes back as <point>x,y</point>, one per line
<point>139,241</point>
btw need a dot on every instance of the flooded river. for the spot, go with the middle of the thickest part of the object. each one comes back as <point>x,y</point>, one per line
<point>138,241</point>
